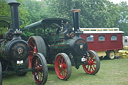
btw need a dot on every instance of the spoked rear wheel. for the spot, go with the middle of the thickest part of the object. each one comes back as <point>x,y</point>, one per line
<point>63,66</point>
<point>93,65</point>
<point>0,74</point>
<point>40,72</point>
<point>36,44</point>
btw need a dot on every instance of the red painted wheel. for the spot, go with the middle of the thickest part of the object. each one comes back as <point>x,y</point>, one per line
<point>0,74</point>
<point>40,72</point>
<point>36,44</point>
<point>93,65</point>
<point>63,66</point>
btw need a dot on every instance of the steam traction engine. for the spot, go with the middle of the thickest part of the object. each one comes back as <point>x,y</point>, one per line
<point>14,52</point>
<point>62,45</point>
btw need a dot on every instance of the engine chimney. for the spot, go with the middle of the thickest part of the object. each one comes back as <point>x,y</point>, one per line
<point>76,19</point>
<point>15,15</point>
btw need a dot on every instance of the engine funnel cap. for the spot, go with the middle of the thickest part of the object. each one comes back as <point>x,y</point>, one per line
<point>76,10</point>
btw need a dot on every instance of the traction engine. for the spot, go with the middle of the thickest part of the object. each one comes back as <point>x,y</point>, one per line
<point>14,52</point>
<point>62,46</point>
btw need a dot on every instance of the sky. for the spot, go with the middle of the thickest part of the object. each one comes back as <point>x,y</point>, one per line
<point>117,1</point>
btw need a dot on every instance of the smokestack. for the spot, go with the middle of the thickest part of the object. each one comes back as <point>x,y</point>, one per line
<point>15,15</point>
<point>76,19</point>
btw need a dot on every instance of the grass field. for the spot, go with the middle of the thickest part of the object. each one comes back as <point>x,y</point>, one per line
<point>112,72</point>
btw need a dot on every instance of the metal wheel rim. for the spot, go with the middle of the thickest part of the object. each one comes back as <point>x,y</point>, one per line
<point>61,67</point>
<point>112,55</point>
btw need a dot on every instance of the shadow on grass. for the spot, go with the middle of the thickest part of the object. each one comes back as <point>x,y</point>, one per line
<point>51,67</point>
<point>81,75</point>
<point>12,76</point>
<point>105,58</point>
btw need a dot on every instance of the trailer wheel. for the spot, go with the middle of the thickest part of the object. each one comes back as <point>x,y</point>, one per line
<point>63,66</point>
<point>40,72</point>
<point>0,74</point>
<point>23,73</point>
<point>93,65</point>
<point>36,44</point>
<point>110,54</point>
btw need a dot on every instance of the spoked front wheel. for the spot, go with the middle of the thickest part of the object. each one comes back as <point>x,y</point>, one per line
<point>93,65</point>
<point>63,66</point>
<point>40,70</point>
<point>0,74</point>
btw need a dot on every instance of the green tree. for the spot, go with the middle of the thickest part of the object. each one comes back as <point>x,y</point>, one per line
<point>94,13</point>
<point>123,22</point>
<point>5,11</point>
<point>36,10</point>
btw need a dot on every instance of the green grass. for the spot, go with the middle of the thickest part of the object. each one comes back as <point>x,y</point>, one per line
<point>112,72</point>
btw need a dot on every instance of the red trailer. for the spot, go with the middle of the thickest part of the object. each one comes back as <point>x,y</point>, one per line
<point>105,41</point>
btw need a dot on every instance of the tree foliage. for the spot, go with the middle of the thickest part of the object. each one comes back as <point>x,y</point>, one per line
<point>94,13</point>
<point>23,14</point>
